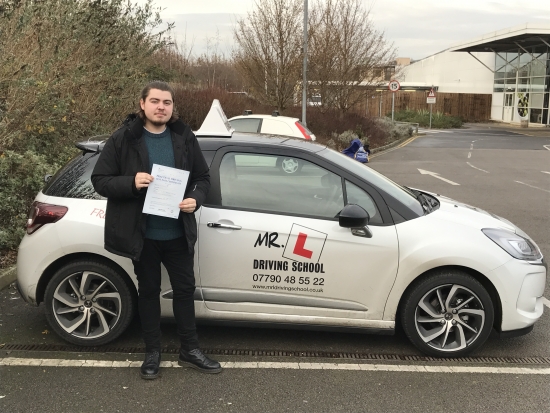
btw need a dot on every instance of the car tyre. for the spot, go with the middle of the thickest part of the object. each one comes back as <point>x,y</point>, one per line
<point>447,314</point>
<point>89,303</point>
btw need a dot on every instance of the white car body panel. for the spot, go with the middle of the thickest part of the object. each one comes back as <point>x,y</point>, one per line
<point>452,236</point>
<point>227,265</point>
<point>276,127</point>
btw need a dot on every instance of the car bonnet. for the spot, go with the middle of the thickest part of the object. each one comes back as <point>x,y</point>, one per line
<point>472,216</point>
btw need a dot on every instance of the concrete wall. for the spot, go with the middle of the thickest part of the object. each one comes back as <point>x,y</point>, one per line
<point>453,72</point>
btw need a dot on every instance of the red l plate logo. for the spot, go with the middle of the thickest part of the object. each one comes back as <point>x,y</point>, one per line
<point>299,248</point>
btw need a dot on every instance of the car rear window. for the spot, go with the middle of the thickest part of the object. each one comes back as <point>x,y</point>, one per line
<point>73,180</point>
<point>246,125</point>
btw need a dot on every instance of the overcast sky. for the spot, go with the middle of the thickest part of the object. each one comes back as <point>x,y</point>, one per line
<point>418,28</point>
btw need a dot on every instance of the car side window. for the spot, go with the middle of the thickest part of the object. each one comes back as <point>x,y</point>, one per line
<point>246,125</point>
<point>356,195</point>
<point>259,182</point>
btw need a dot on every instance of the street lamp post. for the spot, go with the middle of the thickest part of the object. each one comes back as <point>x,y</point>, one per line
<point>304,79</point>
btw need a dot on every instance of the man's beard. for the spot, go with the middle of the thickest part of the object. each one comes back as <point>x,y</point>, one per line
<point>158,123</point>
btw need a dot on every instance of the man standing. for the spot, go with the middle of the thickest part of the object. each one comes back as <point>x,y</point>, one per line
<point>155,135</point>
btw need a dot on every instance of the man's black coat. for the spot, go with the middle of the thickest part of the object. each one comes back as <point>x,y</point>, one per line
<point>123,156</point>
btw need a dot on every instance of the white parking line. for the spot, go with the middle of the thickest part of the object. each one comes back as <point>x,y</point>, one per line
<point>546,302</point>
<point>546,147</point>
<point>536,187</point>
<point>469,155</point>
<point>545,172</point>
<point>479,169</point>
<point>436,175</point>
<point>28,362</point>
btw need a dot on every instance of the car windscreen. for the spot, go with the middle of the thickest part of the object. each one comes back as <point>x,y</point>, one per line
<point>369,175</point>
<point>73,180</point>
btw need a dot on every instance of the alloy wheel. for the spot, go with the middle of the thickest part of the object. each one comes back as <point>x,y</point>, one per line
<point>449,317</point>
<point>290,165</point>
<point>86,305</point>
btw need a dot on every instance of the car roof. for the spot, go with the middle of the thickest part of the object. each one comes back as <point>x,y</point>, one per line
<point>261,140</point>
<point>213,143</point>
<point>264,117</point>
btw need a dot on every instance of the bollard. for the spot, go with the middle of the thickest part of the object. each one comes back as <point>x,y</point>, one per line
<point>524,123</point>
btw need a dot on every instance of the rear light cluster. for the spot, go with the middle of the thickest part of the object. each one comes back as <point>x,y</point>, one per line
<point>303,130</point>
<point>41,214</point>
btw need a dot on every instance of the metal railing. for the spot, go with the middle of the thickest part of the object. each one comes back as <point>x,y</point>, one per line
<point>415,125</point>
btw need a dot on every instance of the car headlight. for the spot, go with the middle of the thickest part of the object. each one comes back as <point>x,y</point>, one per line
<point>517,246</point>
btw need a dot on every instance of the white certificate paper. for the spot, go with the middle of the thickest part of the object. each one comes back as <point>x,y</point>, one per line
<point>166,191</point>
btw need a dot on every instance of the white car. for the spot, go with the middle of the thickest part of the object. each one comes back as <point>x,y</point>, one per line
<point>336,245</point>
<point>273,124</point>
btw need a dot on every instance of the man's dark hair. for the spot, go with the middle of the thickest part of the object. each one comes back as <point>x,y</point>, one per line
<point>160,85</point>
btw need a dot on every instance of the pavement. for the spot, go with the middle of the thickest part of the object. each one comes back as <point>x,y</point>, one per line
<point>7,276</point>
<point>536,131</point>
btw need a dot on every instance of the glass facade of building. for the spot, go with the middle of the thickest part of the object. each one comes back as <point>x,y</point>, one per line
<point>522,84</point>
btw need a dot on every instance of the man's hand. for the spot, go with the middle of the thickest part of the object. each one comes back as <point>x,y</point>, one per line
<point>143,180</point>
<point>188,205</point>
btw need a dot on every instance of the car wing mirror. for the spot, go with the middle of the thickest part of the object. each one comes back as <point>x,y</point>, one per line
<point>356,218</point>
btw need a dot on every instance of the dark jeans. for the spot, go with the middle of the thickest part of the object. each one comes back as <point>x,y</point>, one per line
<point>179,264</point>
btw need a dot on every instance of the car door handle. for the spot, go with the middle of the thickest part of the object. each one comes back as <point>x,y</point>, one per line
<point>218,225</point>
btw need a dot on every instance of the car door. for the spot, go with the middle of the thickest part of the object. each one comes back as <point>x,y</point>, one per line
<point>270,243</point>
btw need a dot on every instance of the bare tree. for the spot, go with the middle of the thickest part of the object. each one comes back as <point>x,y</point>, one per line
<point>184,57</point>
<point>211,59</point>
<point>269,50</point>
<point>345,51</point>
<point>212,69</point>
<point>176,58</point>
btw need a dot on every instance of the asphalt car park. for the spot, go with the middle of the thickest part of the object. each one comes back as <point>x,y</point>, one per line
<point>282,389</point>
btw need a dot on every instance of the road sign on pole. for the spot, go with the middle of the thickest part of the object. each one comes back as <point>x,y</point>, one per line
<point>304,68</point>
<point>393,86</point>
<point>431,101</point>
<point>431,97</point>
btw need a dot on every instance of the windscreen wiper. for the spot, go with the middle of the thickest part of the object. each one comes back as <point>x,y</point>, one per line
<point>422,199</point>
<point>425,204</point>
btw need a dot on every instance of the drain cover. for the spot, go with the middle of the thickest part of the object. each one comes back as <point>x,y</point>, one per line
<point>278,353</point>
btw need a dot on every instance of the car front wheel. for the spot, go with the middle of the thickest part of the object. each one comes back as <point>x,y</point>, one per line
<point>89,303</point>
<point>447,314</point>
